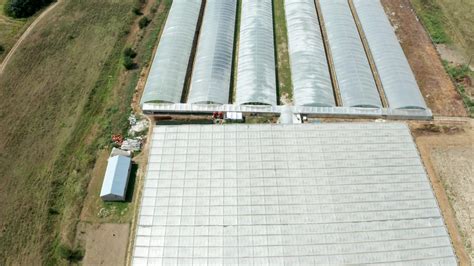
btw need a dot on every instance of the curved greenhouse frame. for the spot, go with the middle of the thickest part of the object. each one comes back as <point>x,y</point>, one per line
<point>168,71</point>
<point>309,68</point>
<point>353,73</point>
<point>210,82</point>
<point>398,81</point>
<point>256,80</point>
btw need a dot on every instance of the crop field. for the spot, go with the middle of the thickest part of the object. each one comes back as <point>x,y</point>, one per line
<point>63,96</point>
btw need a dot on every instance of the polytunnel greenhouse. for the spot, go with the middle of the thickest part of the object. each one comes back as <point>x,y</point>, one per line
<point>210,81</point>
<point>398,81</point>
<point>168,71</point>
<point>256,81</point>
<point>353,73</point>
<point>309,69</point>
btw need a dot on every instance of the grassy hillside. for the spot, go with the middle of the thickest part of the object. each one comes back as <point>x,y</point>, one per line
<point>64,93</point>
<point>449,21</point>
<point>10,30</point>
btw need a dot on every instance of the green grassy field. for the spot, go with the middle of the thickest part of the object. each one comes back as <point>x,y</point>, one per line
<point>63,94</point>
<point>285,89</point>
<point>449,21</point>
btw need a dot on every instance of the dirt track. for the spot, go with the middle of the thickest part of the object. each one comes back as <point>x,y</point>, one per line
<point>438,89</point>
<point>25,34</point>
<point>446,149</point>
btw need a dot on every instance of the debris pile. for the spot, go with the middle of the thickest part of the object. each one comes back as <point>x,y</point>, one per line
<point>137,127</point>
<point>117,139</point>
<point>132,144</point>
<point>103,212</point>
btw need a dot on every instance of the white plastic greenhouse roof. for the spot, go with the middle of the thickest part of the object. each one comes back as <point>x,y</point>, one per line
<point>114,186</point>
<point>354,76</point>
<point>256,80</point>
<point>168,71</point>
<point>398,81</point>
<point>213,63</point>
<point>309,68</point>
<point>312,194</point>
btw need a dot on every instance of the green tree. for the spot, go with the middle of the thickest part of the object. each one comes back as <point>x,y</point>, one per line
<point>143,22</point>
<point>24,8</point>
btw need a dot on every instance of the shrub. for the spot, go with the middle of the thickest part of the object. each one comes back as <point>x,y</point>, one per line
<point>24,8</point>
<point>2,50</point>
<point>143,22</point>
<point>128,62</point>
<point>72,255</point>
<point>129,52</point>
<point>137,11</point>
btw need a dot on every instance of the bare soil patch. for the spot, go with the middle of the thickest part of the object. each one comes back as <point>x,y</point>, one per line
<point>453,55</point>
<point>436,86</point>
<point>105,244</point>
<point>447,149</point>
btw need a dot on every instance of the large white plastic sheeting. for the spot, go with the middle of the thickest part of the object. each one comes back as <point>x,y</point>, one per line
<point>210,81</point>
<point>168,71</point>
<point>256,80</point>
<point>309,68</point>
<point>354,76</point>
<point>398,81</point>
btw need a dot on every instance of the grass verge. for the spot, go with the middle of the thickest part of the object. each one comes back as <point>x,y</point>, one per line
<point>462,77</point>
<point>432,18</point>
<point>285,90</point>
<point>449,21</point>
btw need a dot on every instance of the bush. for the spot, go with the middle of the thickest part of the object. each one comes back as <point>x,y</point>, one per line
<point>143,22</point>
<point>128,55</point>
<point>2,50</point>
<point>69,254</point>
<point>24,8</point>
<point>129,52</point>
<point>128,62</point>
<point>137,11</point>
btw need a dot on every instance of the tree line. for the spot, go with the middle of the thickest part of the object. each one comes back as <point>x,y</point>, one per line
<point>24,8</point>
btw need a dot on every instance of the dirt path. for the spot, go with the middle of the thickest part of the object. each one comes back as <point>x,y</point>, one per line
<point>440,94</point>
<point>446,148</point>
<point>26,34</point>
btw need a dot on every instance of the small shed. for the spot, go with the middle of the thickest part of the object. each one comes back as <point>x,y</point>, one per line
<point>114,187</point>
